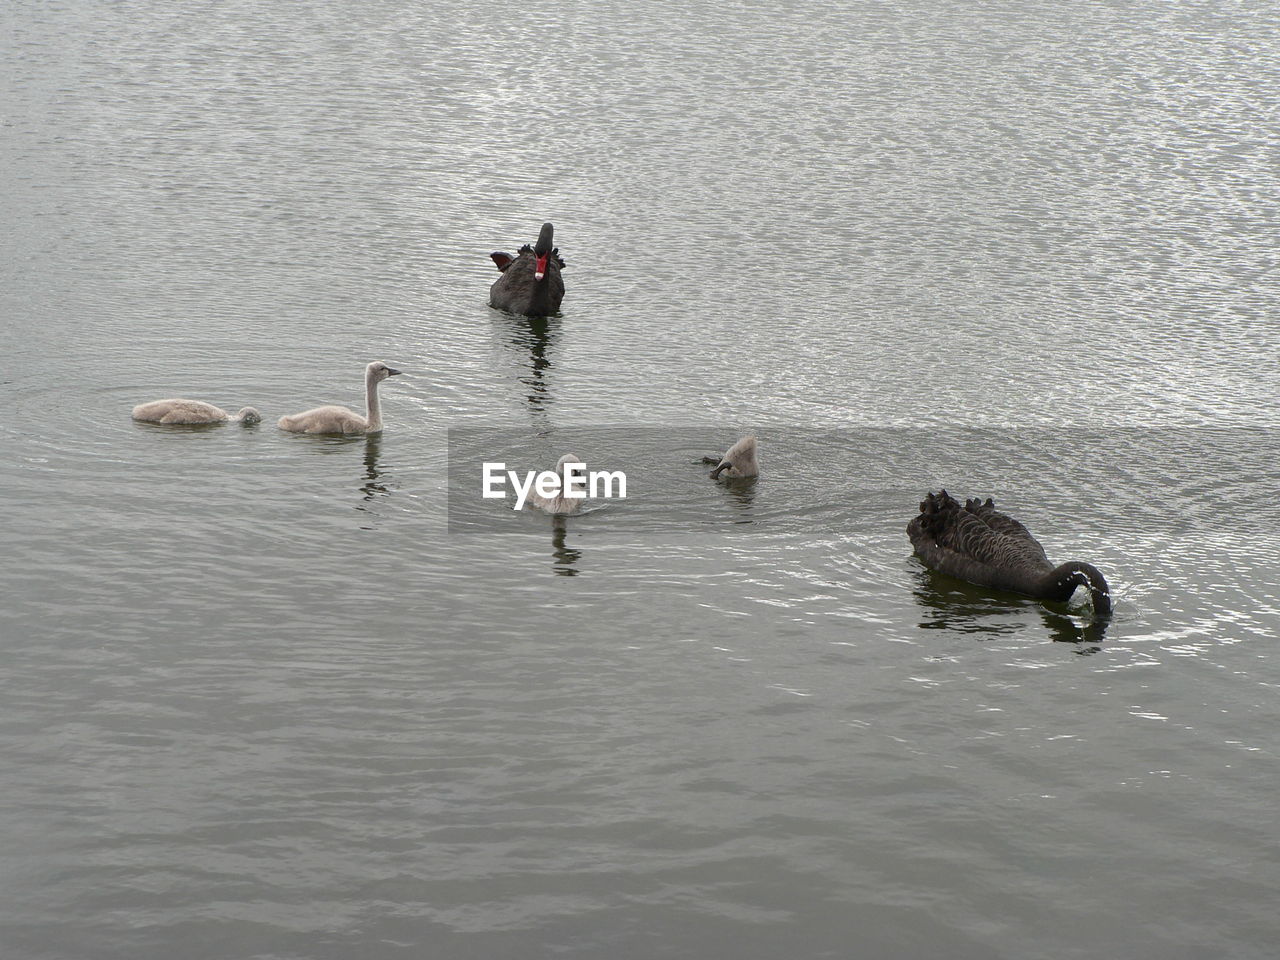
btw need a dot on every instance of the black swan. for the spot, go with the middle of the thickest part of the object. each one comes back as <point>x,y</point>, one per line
<point>530,281</point>
<point>979,544</point>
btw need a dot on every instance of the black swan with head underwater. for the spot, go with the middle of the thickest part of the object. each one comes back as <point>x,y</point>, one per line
<point>530,283</point>
<point>979,544</point>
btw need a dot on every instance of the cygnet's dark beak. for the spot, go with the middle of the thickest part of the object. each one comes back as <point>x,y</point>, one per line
<point>391,372</point>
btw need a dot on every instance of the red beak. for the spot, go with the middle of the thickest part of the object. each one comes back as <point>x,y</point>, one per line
<point>540,270</point>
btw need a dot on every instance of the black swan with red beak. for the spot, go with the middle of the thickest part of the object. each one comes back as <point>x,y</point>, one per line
<point>979,544</point>
<point>530,281</point>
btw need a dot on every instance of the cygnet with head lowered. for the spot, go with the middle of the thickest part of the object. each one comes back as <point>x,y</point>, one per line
<point>179,410</point>
<point>738,461</point>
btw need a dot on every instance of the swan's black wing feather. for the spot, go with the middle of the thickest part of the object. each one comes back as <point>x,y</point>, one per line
<point>976,543</point>
<point>1006,526</point>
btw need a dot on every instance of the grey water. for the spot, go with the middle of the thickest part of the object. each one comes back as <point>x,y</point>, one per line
<point>277,696</point>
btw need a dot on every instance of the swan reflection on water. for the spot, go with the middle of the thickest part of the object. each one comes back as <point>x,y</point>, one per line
<point>536,334</point>
<point>741,494</point>
<point>566,557</point>
<point>1064,628</point>
<point>529,342</point>
<point>951,604</point>
<point>373,485</point>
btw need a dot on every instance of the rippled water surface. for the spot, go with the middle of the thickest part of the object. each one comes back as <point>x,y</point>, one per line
<point>276,696</point>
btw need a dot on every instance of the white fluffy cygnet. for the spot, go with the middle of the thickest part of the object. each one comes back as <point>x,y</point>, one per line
<point>181,410</point>
<point>340,420</point>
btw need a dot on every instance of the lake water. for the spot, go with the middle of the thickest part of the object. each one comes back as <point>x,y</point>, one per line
<point>277,696</point>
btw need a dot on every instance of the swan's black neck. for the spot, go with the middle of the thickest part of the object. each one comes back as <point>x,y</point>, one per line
<point>1064,579</point>
<point>545,242</point>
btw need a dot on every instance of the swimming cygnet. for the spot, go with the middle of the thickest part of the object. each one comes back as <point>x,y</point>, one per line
<point>340,420</point>
<point>738,461</point>
<point>180,410</point>
<point>560,503</point>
